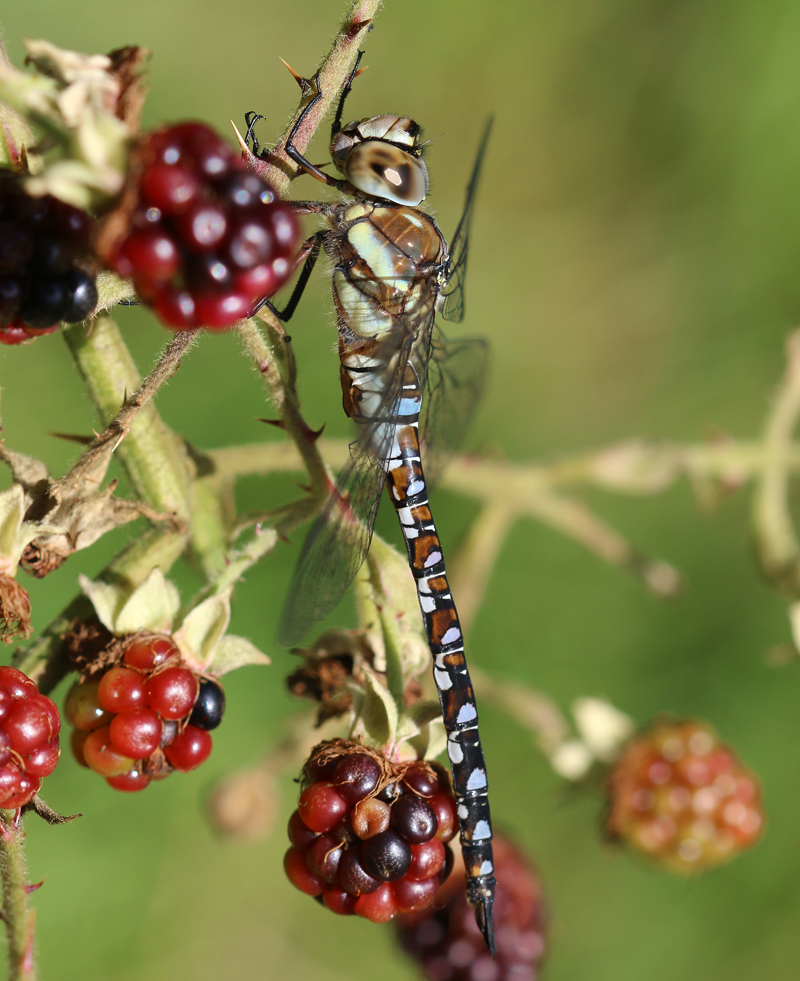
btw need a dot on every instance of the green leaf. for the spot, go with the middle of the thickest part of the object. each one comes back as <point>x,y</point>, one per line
<point>151,606</point>
<point>203,628</point>
<point>106,599</point>
<point>414,719</point>
<point>431,741</point>
<point>12,511</point>
<point>235,652</point>
<point>378,713</point>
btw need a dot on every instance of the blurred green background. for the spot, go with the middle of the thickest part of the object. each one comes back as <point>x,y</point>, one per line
<point>634,265</point>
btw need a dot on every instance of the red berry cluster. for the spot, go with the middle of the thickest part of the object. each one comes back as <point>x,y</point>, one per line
<point>44,269</point>
<point>29,727</point>
<point>683,798</point>
<point>369,847</point>
<point>209,238</point>
<point>446,941</point>
<point>144,717</point>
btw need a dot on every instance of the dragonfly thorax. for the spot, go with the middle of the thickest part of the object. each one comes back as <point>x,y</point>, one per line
<point>379,156</point>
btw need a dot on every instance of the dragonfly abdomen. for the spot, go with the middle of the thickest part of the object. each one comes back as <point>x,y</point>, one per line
<point>405,480</point>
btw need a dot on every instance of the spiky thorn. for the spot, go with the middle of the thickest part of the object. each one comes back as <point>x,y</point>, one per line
<point>33,887</point>
<point>74,438</point>
<point>250,158</point>
<point>307,86</point>
<point>277,423</point>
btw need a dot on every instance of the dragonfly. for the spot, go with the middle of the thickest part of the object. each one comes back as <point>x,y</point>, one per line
<point>405,386</point>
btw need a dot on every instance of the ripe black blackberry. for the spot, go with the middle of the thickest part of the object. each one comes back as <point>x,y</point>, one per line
<point>207,239</point>
<point>447,944</point>
<point>46,275</point>
<point>369,836</point>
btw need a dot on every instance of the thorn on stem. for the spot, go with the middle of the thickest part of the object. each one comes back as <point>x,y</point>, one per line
<point>277,423</point>
<point>305,84</point>
<point>33,887</point>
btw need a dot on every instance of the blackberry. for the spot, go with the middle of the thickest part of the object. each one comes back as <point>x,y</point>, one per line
<point>208,239</point>
<point>446,942</point>
<point>145,715</point>
<point>46,275</point>
<point>29,747</point>
<point>681,797</point>
<point>369,833</point>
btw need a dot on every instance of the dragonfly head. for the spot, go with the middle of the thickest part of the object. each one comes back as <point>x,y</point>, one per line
<point>380,156</point>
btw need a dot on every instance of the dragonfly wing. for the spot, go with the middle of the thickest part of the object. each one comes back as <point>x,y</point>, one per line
<point>457,373</point>
<point>453,288</point>
<point>334,549</point>
<point>339,539</point>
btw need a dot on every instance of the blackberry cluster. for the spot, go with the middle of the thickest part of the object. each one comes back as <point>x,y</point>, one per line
<point>447,944</point>
<point>366,846</point>
<point>29,727</point>
<point>209,239</point>
<point>45,270</point>
<point>683,798</point>
<point>144,717</point>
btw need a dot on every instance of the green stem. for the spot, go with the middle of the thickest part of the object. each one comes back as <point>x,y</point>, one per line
<point>19,920</point>
<point>274,359</point>
<point>154,457</point>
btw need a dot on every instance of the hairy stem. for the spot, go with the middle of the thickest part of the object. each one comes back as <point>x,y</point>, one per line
<point>18,918</point>
<point>280,169</point>
<point>154,457</point>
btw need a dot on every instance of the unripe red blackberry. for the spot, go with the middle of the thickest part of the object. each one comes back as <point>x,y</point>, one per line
<point>366,837</point>
<point>29,728</point>
<point>447,944</point>
<point>144,714</point>
<point>208,239</point>
<point>681,797</point>
<point>46,275</point>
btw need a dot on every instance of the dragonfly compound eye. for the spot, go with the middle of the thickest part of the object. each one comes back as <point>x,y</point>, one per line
<point>385,171</point>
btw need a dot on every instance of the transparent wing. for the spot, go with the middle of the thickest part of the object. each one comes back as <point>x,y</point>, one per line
<point>339,539</point>
<point>453,289</point>
<point>457,373</point>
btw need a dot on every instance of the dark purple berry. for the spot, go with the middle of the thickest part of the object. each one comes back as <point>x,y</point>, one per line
<point>413,819</point>
<point>353,877</point>
<point>51,257</point>
<point>386,856</point>
<point>17,244</point>
<point>324,857</point>
<point>242,189</point>
<point>420,780</point>
<point>250,243</point>
<point>449,862</point>
<point>82,292</point>
<point>46,304</point>
<point>391,792</point>
<point>11,295</point>
<point>207,271</point>
<point>210,705</point>
<point>356,776</point>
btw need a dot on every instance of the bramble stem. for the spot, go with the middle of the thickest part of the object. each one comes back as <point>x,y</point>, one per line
<point>154,457</point>
<point>19,920</point>
<point>275,362</point>
<point>280,169</point>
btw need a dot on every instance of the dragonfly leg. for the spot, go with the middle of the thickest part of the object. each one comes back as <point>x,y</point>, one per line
<point>307,255</point>
<point>251,118</point>
<point>336,125</point>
